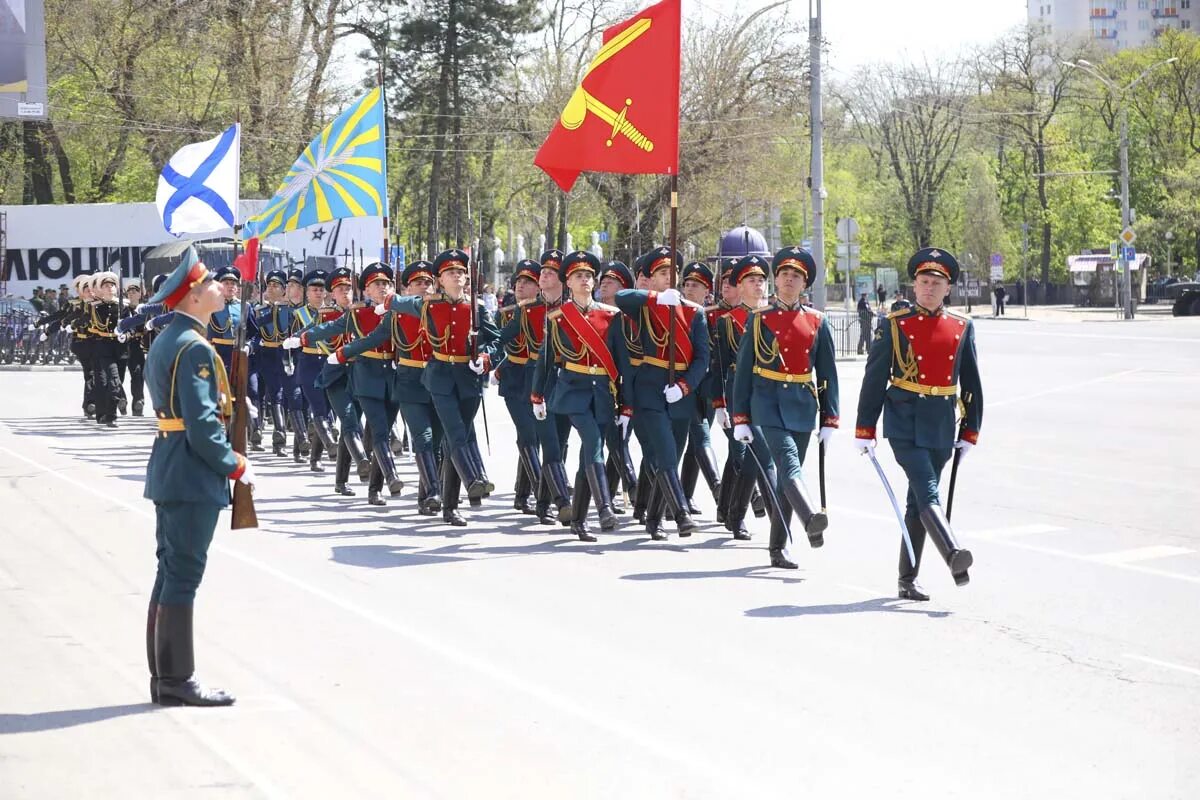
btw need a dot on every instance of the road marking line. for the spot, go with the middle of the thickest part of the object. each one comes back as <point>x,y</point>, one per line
<point>1044,332</point>
<point>462,658</point>
<point>1165,664</point>
<point>1140,554</point>
<point>1016,530</point>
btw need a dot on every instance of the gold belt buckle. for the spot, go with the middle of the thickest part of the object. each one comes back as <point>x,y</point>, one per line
<point>789,377</point>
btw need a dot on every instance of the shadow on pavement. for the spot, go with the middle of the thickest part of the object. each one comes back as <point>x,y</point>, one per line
<point>886,604</point>
<point>757,572</point>
<point>69,718</point>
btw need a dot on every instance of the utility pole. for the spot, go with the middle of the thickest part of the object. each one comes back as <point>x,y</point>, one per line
<point>1025,265</point>
<point>817,177</point>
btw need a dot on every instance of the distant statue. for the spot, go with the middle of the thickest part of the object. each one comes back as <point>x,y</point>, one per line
<point>497,252</point>
<point>690,249</point>
<point>541,244</point>
<point>570,248</point>
<point>521,254</point>
<point>596,249</point>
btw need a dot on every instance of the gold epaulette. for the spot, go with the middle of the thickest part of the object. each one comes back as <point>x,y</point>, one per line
<point>608,308</point>
<point>555,314</point>
<point>509,309</point>
<point>902,312</point>
<point>761,309</point>
<point>528,301</point>
<point>356,306</point>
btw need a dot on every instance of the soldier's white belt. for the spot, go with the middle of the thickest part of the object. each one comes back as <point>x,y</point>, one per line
<point>783,377</point>
<point>920,388</point>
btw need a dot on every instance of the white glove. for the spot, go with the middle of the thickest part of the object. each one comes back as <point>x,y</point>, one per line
<point>247,476</point>
<point>246,349</point>
<point>825,434</point>
<point>721,417</point>
<point>964,447</point>
<point>332,358</point>
<point>477,366</point>
<point>742,433</point>
<point>31,327</point>
<point>121,337</point>
<point>539,410</point>
<point>494,379</point>
<point>43,337</point>
<point>864,445</point>
<point>253,409</point>
<point>291,343</point>
<point>149,325</point>
<point>69,329</point>
<point>381,309</point>
<point>623,424</point>
<point>669,297</point>
<point>673,393</point>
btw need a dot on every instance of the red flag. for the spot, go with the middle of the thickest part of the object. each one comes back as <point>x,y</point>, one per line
<point>624,116</point>
<point>247,262</point>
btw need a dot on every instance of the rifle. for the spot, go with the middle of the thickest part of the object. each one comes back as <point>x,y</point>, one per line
<point>244,515</point>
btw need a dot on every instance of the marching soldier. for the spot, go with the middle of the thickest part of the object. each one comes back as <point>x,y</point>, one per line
<point>696,282</point>
<point>619,470</point>
<point>786,378</point>
<point>135,345</point>
<point>335,330</point>
<point>310,362</point>
<point>222,328</point>
<point>273,321</point>
<point>297,405</point>
<point>579,343</point>
<point>454,376</point>
<point>103,316</point>
<point>652,395</point>
<point>372,376</point>
<point>510,376</point>
<point>922,357</point>
<point>187,477</point>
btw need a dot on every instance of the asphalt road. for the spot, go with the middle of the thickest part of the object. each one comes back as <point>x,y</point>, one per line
<point>377,655</point>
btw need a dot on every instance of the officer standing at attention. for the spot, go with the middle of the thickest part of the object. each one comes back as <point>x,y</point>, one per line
<point>187,476</point>
<point>786,383</point>
<point>921,359</point>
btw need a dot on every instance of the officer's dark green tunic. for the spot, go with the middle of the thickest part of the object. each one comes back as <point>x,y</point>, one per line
<point>191,461</point>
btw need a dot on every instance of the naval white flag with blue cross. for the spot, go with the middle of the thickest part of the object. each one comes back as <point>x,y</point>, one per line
<point>198,188</point>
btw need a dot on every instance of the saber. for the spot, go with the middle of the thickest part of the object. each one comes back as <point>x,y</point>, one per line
<point>953,479</point>
<point>772,497</point>
<point>912,559</point>
<point>821,474</point>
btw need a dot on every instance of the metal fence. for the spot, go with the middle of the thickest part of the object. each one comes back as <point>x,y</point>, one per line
<point>19,345</point>
<point>846,330</point>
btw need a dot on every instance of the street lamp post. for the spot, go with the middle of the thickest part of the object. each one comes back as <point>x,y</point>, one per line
<point>1120,95</point>
<point>1170,240</point>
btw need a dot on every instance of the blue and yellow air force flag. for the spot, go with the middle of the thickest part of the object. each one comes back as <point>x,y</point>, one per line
<point>198,188</point>
<point>342,173</point>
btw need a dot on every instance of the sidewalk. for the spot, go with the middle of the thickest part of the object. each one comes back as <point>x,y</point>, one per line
<point>1065,313</point>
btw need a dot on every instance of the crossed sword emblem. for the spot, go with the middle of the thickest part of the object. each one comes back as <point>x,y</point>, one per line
<point>582,102</point>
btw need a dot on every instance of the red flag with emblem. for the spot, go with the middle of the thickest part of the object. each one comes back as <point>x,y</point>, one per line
<point>247,262</point>
<point>624,115</point>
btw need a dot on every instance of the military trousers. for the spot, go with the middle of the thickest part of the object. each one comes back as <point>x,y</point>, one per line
<point>521,411</point>
<point>308,369</point>
<point>424,427</point>
<point>270,377</point>
<point>136,366</point>
<point>552,433</point>
<point>182,533</point>
<point>788,449</point>
<point>457,414</point>
<point>923,468</point>
<point>107,382</point>
<point>380,414</point>
<point>345,406</point>
<point>666,435</point>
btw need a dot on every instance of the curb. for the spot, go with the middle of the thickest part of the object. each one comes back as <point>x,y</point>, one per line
<point>40,368</point>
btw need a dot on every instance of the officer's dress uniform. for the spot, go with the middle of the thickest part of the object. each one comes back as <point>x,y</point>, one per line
<point>309,362</point>
<point>699,458</point>
<point>922,360</point>
<point>510,375</point>
<point>136,344</point>
<point>272,322</point>
<point>333,330</point>
<point>373,380</point>
<point>619,467</point>
<point>222,328</point>
<point>297,403</point>
<point>579,345</point>
<point>665,424</point>
<point>103,316</point>
<point>187,477</point>
<point>456,390</point>
<point>71,316</point>
<point>786,378</point>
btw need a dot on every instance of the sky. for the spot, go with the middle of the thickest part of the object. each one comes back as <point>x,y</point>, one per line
<point>864,31</point>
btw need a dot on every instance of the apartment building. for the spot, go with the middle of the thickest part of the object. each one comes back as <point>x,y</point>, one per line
<point>1117,24</point>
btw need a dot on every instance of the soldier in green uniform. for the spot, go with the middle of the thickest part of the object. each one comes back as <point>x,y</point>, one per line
<point>786,384</point>
<point>509,375</point>
<point>187,476</point>
<point>922,358</point>
<point>619,467</point>
<point>696,284</point>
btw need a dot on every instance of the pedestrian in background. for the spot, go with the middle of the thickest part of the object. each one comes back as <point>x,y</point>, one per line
<point>881,293</point>
<point>1000,293</point>
<point>865,316</point>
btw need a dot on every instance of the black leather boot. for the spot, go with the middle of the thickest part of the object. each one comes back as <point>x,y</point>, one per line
<point>706,458</point>
<point>654,508</point>
<point>597,482</point>
<point>314,456</point>
<point>956,558</point>
<point>375,485</point>
<point>431,483</point>
<point>480,468</point>
<point>780,523</point>
<point>387,465</point>
<point>175,658</point>
<point>689,474</point>
<point>907,586</point>
<point>358,453</point>
<point>341,472</point>
<point>612,474</point>
<point>531,468</point>
<point>729,478</point>
<point>451,485</point>
<point>641,495</point>
<point>464,465</point>
<point>544,498</point>
<point>676,503</point>
<point>151,660</point>
<point>256,436</point>
<point>556,475</point>
<point>139,408</point>
<point>742,487</point>
<point>579,505</point>
<point>299,431</point>
<point>278,432</point>
<point>813,519</point>
<point>758,505</point>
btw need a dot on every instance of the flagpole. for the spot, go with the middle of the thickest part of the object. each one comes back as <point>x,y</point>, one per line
<point>243,514</point>
<point>671,319</point>
<point>387,245</point>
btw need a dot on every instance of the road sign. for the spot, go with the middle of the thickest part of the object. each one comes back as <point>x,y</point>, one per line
<point>1128,254</point>
<point>1114,251</point>
<point>847,229</point>
<point>997,259</point>
<point>1128,236</point>
<point>851,250</point>
<point>603,237</point>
